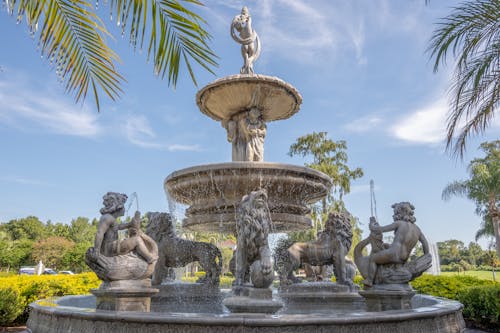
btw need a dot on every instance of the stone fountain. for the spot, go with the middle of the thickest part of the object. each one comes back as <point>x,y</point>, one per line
<point>251,198</point>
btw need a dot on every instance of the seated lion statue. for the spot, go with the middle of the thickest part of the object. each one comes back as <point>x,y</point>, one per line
<point>253,255</point>
<point>330,248</point>
<point>178,252</point>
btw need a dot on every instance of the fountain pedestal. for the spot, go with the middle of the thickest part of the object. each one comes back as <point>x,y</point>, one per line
<point>124,295</point>
<point>252,300</point>
<point>320,296</point>
<point>187,297</point>
<point>383,299</point>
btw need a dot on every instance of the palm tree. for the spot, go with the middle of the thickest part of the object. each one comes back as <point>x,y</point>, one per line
<point>472,33</point>
<point>73,38</point>
<point>482,187</point>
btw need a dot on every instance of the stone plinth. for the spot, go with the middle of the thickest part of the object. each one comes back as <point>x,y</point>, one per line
<point>252,300</point>
<point>320,297</point>
<point>384,300</point>
<point>213,192</point>
<point>230,95</point>
<point>125,295</point>
<point>187,297</point>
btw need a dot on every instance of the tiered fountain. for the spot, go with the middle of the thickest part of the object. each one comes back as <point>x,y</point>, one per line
<point>251,198</point>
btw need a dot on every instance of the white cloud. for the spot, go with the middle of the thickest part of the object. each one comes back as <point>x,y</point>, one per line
<point>423,126</point>
<point>24,181</point>
<point>24,106</point>
<point>140,133</point>
<point>364,124</point>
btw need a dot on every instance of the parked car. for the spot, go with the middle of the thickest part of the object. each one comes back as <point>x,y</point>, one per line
<point>26,270</point>
<point>49,271</point>
<point>31,271</point>
<point>66,272</point>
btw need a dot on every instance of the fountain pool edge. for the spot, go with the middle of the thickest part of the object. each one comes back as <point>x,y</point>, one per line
<point>436,315</point>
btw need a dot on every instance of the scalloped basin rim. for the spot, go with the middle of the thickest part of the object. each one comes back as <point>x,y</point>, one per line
<point>246,166</point>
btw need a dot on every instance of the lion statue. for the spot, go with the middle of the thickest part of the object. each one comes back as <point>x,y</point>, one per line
<point>178,252</point>
<point>254,263</point>
<point>330,248</point>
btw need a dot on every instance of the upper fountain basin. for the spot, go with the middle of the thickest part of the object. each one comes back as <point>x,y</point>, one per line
<point>230,95</point>
<point>214,191</point>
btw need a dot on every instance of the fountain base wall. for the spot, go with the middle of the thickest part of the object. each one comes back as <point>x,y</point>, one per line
<point>427,316</point>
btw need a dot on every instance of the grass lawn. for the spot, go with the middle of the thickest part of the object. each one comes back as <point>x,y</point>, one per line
<point>486,275</point>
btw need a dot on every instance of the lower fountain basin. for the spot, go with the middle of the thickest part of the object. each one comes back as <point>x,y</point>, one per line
<point>78,314</point>
<point>213,192</point>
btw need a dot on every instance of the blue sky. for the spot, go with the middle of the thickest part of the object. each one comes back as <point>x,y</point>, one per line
<point>360,66</point>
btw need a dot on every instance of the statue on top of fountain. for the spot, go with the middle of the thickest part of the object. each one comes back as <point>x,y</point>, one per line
<point>132,258</point>
<point>387,266</point>
<point>248,38</point>
<point>246,131</point>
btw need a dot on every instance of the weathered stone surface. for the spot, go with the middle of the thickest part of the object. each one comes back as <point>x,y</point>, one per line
<point>320,297</point>
<point>330,248</point>
<point>125,295</point>
<point>389,263</point>
<point>178,252</point>
<point>187,298</point>
<point>385,300</point>
<point>227,96</point>
<point>430,315</point>
<point>243,304</point>
<point>248,38</point>
<point>132,258</point>
<point>213,193</point>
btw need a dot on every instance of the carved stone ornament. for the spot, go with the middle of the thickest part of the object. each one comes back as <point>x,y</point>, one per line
<point>132,258</point>
<point>330,248</point>
<point>178,252</point>
<point>254,263</point>
<point>388,265</point>
<point>248,38</point>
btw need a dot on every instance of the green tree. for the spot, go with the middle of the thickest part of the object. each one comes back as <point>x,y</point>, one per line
<point>329,157</point>
<point>72,36</point>
<point>26,228</point>
<point>450,251</point>
<point>74,258</point>
<point>483,186</point>
<point>82,231</point>
<point>57,229</point>
<point>51,251</point>
<point>474,253</point>
<point>14,254</point>
<point>472,33</point>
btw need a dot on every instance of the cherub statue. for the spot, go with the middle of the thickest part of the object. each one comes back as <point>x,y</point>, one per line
<point>248,38</point>
<point>112,259</point>
<point>254,132</point>
<point>246,131</point>
<point>387,263</point>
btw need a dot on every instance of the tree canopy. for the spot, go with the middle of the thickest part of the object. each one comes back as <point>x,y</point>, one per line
<point>482,187</point>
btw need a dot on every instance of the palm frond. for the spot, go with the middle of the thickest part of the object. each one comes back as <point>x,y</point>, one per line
<point>456,188</point>
<point>71,37</point>
<point>176,34</point>
<point>472,33</point>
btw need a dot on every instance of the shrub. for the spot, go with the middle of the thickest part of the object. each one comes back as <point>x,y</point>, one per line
<point>11,306</point>
<point>17,292</point>
<point>200,274</point>
<point>446,286</point>
<point>225,281</point>
<point>482,304</point>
